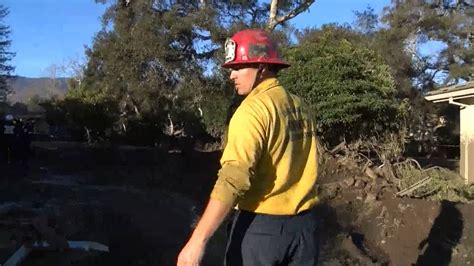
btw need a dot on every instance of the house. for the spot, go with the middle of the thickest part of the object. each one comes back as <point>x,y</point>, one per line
<point>462,96</point>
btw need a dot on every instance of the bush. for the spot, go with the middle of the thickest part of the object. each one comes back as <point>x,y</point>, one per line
<point>348,85</point>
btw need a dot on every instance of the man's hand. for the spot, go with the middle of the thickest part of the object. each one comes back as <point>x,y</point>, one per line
<point>191,254</point>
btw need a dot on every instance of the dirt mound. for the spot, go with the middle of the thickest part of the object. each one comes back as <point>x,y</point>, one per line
<point>143,202</point>
<point>397,232</point>
<point>365,223</point>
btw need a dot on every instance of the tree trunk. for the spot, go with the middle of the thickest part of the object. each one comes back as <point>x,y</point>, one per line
<point>272,19</point>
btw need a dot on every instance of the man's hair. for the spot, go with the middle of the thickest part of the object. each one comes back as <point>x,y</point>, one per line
<point>274,68</point>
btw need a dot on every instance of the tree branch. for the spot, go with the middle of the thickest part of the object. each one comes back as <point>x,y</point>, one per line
<point>274,20</point>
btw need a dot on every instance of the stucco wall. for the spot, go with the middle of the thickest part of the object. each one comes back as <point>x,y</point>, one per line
<point>467,143</point>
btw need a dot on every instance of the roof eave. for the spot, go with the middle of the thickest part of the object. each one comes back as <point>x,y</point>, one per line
<point>455,95</point>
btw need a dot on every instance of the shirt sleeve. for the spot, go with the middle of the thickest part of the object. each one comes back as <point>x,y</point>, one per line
<point>239,160</point>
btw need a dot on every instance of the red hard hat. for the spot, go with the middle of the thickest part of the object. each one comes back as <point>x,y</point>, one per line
<point>251,46</point>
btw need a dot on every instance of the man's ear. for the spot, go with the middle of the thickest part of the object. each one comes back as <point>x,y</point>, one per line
<point>262,70</point>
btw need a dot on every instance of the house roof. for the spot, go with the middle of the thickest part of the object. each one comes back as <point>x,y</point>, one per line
<point>455,92</point>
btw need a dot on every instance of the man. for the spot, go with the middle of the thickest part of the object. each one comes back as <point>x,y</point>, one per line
<point>9,138</point>
<point>269,167</point>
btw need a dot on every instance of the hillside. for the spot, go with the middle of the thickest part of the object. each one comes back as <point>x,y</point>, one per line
<point>26,88</point>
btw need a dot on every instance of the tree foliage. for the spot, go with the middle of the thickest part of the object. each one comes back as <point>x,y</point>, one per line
<point>156,62</point>
<point>447,24</point>
<point>348,85</point>
<point>153,70</point>
<point>403,34</point>
<point>144,60</point>
<point>5,55</point>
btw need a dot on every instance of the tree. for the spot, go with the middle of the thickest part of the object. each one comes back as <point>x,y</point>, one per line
<point>406,27</point>
<point>412,25</point>
<point>447,22</point>
<point>401,36</point>
<point>391,44</point>
<point>5,55</point>
<point>157,62</point>
<point>51,89</point>
<point>347,84</point>
<point>73,68</point>
<point>86,116</point>
<point>147,61</point>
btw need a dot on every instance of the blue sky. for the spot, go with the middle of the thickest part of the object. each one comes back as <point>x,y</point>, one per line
<point>54,32</point>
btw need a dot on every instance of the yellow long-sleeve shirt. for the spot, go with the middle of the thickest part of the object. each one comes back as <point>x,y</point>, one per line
<point>269,164</point>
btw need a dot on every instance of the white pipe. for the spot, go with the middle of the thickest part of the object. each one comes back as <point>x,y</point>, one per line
<point>23,251</point>
<point>451,101</point>
<point>18,256</point>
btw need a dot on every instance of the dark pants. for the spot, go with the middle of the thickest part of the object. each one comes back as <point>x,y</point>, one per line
<point>261,239</point>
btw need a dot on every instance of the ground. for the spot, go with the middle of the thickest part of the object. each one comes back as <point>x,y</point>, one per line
<point>143,202</point>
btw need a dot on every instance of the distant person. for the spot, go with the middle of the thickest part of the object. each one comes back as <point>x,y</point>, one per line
<point>9,137</point>
<point>21,147</point>
<point>28,129</point>
<point>17,139</point>
<point>268,167</point>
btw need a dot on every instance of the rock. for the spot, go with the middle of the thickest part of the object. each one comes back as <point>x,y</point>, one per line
<point>359,184</point>
<point>329,191</point>
<point>370,198</point>
<point>368,187</point>
<point>370,173</point>
<point>381,182</point>
<point>348,182</point>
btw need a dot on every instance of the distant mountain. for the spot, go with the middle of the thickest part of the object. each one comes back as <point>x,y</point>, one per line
<point>24,88</point>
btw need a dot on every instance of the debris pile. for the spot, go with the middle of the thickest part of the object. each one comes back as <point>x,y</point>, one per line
<point>26,229</point>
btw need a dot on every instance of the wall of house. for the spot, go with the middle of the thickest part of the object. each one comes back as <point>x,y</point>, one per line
<point>467,143</point>
<point>469,101</point>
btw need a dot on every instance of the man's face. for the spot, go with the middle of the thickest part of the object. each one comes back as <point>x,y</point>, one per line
<point>243,77</point>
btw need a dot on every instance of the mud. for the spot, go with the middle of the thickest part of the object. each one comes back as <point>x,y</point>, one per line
<point>143,202</point>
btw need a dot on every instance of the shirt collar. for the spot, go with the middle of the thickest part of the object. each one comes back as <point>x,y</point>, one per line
<point>265,85</point>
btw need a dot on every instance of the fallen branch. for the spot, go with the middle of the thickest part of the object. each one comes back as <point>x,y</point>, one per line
<point>413,187</point>
<point>369,161</point>
<point>410,160</point>
<point>387,171</point>
<point>432,168</point>
<point>339,147</point>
